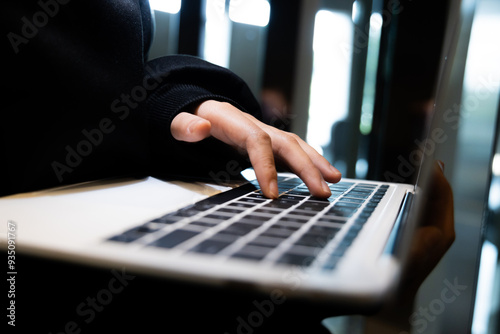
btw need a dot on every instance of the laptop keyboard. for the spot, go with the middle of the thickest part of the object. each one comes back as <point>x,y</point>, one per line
<point>294,229</point>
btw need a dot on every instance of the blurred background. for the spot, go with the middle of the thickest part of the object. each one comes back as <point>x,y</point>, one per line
<point>357,80</point>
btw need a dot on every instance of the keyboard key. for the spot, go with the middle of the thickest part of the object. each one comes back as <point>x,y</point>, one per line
<point>302,213</point>
<point>168,219</point>
<point>314,240</point>
<point>252,252</point>
<point>332,220</point>
<point>291,218</point>
<point>281,203</point>
<point>174,238</point>
<point>211,246</point>
<point>269,211</point>
<point>276,232</point>
<point>257,218</point>
<point>296,259</point>
<point>302,192</point>
<point>331,262</point>
<point>313,206</point>
<point>204,223</point>
<point>251,200</point>
<point>132,234</point>
<point>231,210</point>
<point>238,229</point>
<point>266,241</point>
<point>219,216</point>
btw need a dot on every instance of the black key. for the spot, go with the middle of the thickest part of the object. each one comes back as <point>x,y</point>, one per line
<point>188,212</point>
<point>331,262</point>
<point>251,200</point>
<point>174,238</point>
<point>314,240</point>
<point>271,211</point>
<point>291,198</point>
<point>231,210</point>
<point>287,225</point>
<point>324,230</point>
<point>296,259</point>
<point>257,195</point>
<point>351,200</point>
<point>364,214</point>
<point>238,229</point>
<point>277,232</point>
<point>266,241</point>
<point>297,212</point>
<point>257,218</point>
<point>132,234</point>
<point>240,205</point>
<point>253,252</point>
<point>204,223</point>
<point>331,220</point>
<point>302,192</point>
<point>218,217</point>
<point>313,206</point>
<point>168,219</point>
<point>347,204</point>
<point>211,246</point>
<point>281,203</point>
<point>293,219</point>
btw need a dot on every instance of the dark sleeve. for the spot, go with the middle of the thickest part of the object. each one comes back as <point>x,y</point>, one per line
<point>82,103</point>
<point>183,82</point>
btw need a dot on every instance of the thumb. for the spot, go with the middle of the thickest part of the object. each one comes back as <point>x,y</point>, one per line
<point>190,128</point>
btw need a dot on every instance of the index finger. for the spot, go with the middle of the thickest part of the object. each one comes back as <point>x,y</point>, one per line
<point>231,127</point>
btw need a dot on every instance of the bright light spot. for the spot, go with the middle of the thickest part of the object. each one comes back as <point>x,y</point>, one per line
<point>332,46</point>
<point>496,165</point>
<point>355,11</point>
<point>365,125</point>
<point>217,33</point>
<point>249,174</point>
<point>361,168</point>
<point>253,12</point>
<point>376,21</point>
<point>167,6</point>
<point>485,280</point>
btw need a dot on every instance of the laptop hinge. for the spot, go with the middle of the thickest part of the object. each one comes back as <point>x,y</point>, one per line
<point>396,237</point>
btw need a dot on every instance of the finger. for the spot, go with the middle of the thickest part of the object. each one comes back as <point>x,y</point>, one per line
<point>189,128</point>
<point>329,173</point>
<point>290,151</point>
<point>259,148</point>
<point>303,160</point>
<point>231,127</point>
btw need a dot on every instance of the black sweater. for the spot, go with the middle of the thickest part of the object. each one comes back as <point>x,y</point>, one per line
<point>80,101</point>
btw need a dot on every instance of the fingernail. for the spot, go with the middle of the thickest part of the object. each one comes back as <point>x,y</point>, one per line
<point>335,170</point>
<point>273,188</point>
<point>326,188</point>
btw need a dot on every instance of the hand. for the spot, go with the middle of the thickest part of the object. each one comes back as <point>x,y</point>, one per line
<point>431,241</point>
<point>436,233</point>
<point>261,142</point>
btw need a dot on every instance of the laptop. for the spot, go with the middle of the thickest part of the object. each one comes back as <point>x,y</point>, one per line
<point>348,249</point>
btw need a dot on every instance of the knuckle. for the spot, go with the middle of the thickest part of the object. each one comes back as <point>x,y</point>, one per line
<point>259,137</point>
